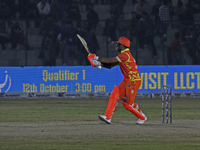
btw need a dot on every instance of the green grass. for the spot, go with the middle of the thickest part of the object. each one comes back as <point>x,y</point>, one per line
<point>36,111</point>
<point>104,144</point>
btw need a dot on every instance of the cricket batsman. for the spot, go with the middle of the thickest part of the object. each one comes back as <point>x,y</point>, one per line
<point>129,86</point>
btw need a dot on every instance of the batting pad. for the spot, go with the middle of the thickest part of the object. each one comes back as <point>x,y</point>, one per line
<point>112,103</point>
<point>133,110</point>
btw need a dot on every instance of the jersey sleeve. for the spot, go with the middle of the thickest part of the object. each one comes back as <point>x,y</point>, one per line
<point>122,57</point>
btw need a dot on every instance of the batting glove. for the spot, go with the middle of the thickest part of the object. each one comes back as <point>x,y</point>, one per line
<point>90,56</point>
<point>96,63</point>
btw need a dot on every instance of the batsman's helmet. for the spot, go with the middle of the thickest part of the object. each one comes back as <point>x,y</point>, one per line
<point>124,41</point>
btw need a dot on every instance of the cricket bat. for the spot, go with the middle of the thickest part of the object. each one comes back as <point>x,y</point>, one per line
<point>85,45</point>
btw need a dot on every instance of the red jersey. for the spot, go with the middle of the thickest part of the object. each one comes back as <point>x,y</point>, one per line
<point>128,66</point>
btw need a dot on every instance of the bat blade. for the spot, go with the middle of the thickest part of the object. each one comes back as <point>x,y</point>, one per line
<point>84,43</point>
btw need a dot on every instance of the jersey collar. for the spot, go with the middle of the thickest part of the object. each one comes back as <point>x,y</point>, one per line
<point>127,49</point>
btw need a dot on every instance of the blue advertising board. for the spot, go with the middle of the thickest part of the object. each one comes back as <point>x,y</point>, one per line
<point>86,79</point>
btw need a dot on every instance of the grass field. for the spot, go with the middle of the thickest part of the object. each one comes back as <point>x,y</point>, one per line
<point>72,124</point>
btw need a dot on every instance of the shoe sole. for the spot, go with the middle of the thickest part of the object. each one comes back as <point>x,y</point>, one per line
<point>102,119</point>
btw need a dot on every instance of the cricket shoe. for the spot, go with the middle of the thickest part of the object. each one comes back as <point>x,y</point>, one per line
<point>142,121</point>
<point>105,119</point>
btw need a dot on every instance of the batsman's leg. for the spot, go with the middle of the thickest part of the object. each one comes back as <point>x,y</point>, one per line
<point>112,104</point>
<point>137,112</point>
<point>128,103</point>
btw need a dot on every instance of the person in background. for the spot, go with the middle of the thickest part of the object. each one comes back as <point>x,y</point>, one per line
<point>91,40</point>
<point>176,53</point>
<point>17,35</point>
<point>117,6</point>
<point>48,49</point>
<point>110,27</point>
<point>194,46</point>
<point>68,39</point>
<point>74,13</point>
<point>133,24</point>
<point>122,28</point>
<point>164,16</point>
<point>43,7</point>
<point>155,15</point>
<point>4,37</point>
<point>141,6</point>
<point>5,11</point>
<point>146,32</point>
<point>92,16</point>
<point>56,11</point>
